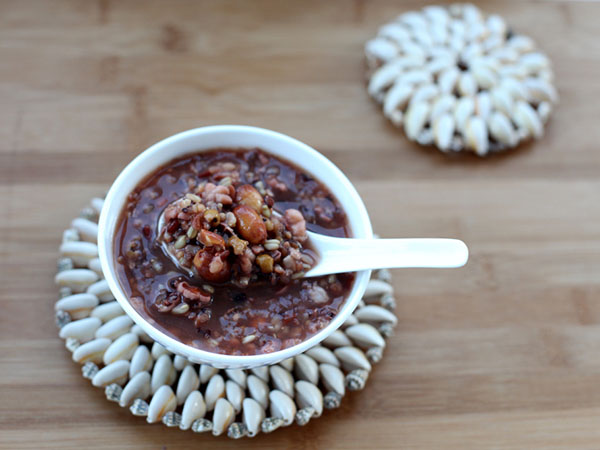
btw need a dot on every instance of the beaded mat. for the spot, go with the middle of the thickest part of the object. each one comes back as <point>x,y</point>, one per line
<point>460,80</point>
<point>139,374</point>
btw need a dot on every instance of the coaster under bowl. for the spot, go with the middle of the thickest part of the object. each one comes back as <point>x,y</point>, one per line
<point>140,374</point>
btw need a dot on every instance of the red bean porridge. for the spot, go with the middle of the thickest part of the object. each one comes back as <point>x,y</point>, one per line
<point>212,248</point>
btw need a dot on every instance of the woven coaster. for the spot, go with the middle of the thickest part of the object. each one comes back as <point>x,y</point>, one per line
<point>140,374</point>
<point>457,79</point>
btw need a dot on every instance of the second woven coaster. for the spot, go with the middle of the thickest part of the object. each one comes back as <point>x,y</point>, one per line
<point>459,80</point>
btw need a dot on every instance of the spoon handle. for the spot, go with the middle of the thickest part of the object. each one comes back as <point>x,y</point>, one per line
<point>349,255</point>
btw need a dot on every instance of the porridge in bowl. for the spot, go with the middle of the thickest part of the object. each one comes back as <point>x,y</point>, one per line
<point>212,249</point>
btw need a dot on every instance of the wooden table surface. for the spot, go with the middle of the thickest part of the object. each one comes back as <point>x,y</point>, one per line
<point>504,353</point>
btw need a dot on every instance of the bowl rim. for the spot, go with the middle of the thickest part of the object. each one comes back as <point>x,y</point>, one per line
<point>114,201</point>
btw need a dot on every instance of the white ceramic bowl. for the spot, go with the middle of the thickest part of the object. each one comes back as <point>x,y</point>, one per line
<point>230,136</point>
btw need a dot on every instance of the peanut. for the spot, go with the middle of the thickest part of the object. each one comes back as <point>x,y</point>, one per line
<point>212,266</point>
<point>249,224</point>
<point>249,196</point>
<point>210,239</point>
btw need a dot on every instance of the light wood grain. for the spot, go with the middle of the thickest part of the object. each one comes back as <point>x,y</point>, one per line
<point>504,353</point>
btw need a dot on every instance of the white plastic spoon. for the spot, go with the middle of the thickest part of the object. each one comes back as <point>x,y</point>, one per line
<point>337,255</point>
